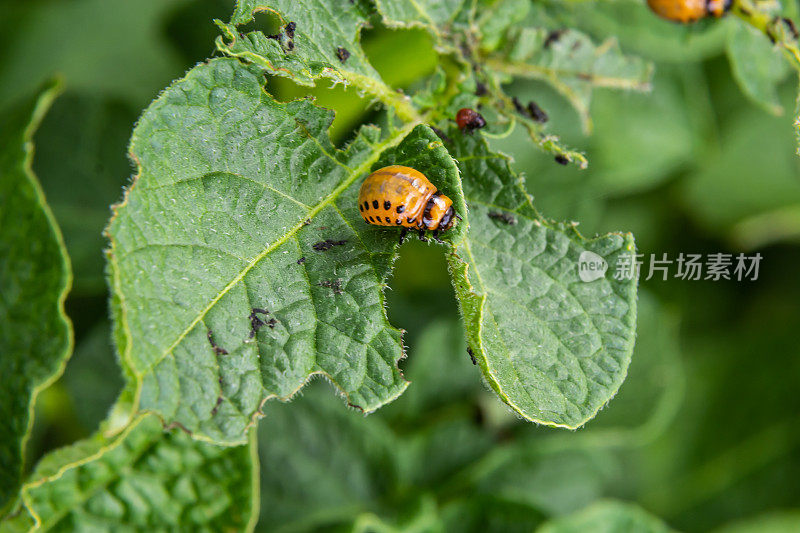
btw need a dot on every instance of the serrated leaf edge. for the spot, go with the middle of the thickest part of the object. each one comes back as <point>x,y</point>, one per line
<point>377,88</point>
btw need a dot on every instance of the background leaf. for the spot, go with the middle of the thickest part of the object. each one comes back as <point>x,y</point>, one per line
<point>757,65</point>
<point>775,522</point>
<point>35,334</point>
<point>607,516</point>
<point>84,140</point>
<point>47,40</point>
<point>323,464</point>
<point>571,63</point>
<point>640,32</point>
<point>146,479</point>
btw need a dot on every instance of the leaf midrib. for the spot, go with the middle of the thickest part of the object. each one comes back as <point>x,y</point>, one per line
<point>355,174</point>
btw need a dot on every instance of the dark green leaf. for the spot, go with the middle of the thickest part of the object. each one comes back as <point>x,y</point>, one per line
<point>93,377</point>
<point>322,464</point>
<point>95,44</point>
<point>757,65</point>
<point>35,334</point>
<point>774,522</point>
<point>82,163</point>
<point>145,479</point>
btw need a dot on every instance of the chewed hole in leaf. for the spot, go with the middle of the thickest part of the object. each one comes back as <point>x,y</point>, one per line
<point>352,108</point>
<point>385,49</point>
<point>265,21</point>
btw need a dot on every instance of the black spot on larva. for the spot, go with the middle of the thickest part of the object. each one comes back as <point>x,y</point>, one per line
<point>410,220</point>
<point>562,159</point>
<point>366,204</point>
<point>387,204</point>
<point>388,221</point>
<point>375,204</point>
<point>401,208</point>
<point>323,246</point>
<point>398,222</point>
<point>371,219</point>
<point>361,208</point>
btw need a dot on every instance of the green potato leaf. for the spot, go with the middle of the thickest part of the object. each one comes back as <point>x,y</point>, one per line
<point>239,261</point>
<point>571,63</point>
<point>555,348</point>
<point>145,479</point>
<point>757,65</point>
<point>35,334</point>
<point>438,17</point>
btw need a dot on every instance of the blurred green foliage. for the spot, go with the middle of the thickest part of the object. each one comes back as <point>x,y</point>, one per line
<point>704,433</point>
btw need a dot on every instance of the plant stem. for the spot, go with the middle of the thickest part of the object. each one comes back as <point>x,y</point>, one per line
<point>779,30</point>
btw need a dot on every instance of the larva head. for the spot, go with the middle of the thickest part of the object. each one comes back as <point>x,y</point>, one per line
<point>439,213</point>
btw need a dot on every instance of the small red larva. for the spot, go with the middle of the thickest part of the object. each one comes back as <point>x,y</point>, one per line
<point>469,120</point>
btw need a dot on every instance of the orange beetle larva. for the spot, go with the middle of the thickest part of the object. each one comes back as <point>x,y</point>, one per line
<point>401,196</point>
<point>688,10</point>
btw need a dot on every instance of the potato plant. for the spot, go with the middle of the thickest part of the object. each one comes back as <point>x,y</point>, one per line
<point>233,348</point>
